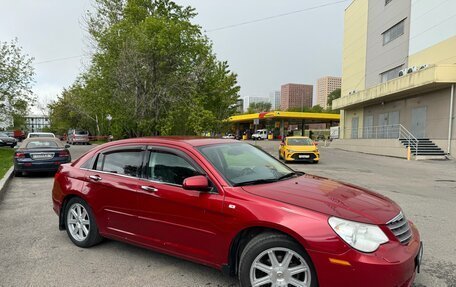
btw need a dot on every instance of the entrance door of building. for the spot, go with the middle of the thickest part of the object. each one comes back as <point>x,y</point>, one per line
<point>419,122</point>
<point>354,134</point>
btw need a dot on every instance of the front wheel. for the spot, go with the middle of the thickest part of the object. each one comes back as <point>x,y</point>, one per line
<point>80,223</point>
<point>273,259</point>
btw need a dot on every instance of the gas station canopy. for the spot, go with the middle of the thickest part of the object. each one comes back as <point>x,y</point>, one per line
<point>319,117</point>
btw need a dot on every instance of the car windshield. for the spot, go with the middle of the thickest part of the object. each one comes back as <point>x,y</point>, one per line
<point>244,164</point>
<point>299,141</point>
<point>41,144</point>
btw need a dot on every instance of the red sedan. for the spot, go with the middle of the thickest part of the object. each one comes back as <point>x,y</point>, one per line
<point>231,206</point>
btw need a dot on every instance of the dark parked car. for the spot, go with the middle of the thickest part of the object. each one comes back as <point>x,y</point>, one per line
<point>6,140</point>
<point>233,207</point>
<point>40,155</point>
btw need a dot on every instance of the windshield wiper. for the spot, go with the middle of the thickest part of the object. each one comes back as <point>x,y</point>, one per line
<point>256,181</point>
<point>291,174</point>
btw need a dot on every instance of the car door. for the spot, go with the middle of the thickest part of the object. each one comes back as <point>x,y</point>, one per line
<point>184,222</point>
<point>112,185</point>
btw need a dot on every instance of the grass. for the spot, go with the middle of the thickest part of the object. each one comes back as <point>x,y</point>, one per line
<point>6,160</point>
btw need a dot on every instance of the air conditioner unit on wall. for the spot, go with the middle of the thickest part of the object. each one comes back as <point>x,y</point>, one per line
<point>425,66</point>
<point>402,72</point>
<point>412,70</point>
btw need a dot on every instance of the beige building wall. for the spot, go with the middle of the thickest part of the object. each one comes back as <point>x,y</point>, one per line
<point>350,117</point>
<point>441,53</point>
<point>354,47</point>
<point>326,86</point>
<point>354,52</point>
<point>437,106</point>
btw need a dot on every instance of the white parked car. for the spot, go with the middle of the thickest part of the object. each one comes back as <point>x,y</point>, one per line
<point>229,136</point>
<point>260,135</point>
<point>40,135</point>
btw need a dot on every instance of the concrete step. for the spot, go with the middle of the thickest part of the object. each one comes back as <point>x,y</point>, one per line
<point>431,157</point>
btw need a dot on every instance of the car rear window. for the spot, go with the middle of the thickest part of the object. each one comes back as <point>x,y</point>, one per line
<point>42,144</point>
<point>81,132</point>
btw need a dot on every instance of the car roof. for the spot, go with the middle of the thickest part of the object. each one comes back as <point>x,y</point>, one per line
<point>41,139</point>
<point>173,140</point>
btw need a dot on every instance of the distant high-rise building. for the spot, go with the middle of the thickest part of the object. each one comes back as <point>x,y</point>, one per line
<point>240,105</point>
<point>296,96</point>
<point>250,100</point>
<point>275,100</point>
<point>326,86</point>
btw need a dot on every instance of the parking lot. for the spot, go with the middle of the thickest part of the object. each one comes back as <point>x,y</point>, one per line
<point>35,253</point>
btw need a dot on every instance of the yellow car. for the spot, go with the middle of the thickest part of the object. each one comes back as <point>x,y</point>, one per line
<point>299,149</point>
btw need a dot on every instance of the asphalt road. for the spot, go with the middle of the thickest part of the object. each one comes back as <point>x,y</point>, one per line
<point>33,252</point>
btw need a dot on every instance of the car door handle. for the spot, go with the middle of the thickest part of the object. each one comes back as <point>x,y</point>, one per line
<point>149,188</point>
<point>95,177</point>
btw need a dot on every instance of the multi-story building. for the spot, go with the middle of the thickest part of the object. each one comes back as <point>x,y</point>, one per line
<point>240,105</point>
<point>399,73</point>
<point>36,123</point>
<point>326,86</point>
<point>296,96</point>
<point>275,100</point>
<point>255,99</point>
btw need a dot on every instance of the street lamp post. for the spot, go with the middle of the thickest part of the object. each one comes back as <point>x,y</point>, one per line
<point>109,118</point>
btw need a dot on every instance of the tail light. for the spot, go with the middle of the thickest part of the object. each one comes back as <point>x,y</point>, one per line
<point>19,155</point>
<point>64,153</point>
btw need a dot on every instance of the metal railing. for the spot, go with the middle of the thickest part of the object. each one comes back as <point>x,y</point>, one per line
<point>384,132</point>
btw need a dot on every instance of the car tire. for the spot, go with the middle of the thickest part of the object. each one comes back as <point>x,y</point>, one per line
<point>315,161</point>
<point>269,251</point>
<point>280,156</point>
<point>80,223</point>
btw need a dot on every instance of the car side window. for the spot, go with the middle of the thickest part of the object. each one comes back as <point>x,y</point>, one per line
<point>121,162</point>
<point>169,168</point>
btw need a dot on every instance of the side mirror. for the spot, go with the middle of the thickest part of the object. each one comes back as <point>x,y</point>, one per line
<point>315,143</point>
<point>67,146</point>
<point>198,182</point>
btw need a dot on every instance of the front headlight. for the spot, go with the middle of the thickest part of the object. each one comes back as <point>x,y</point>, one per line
<point>290,150</point>
<point>361,236</point>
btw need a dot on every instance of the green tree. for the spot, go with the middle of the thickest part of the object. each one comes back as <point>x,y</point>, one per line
<point>259,107</point>
<point>153,71</point>
<point>16,79</point>
<point>333,96</point>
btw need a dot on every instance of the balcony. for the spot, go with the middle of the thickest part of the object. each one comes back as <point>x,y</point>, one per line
<point>427,80</point>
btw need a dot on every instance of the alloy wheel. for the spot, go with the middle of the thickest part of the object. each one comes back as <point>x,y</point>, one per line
<point>281,267</point>
<point>78,222</point>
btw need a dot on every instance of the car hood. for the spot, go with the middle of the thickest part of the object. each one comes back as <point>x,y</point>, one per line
<point>301,147</point>
<point>330,197</point>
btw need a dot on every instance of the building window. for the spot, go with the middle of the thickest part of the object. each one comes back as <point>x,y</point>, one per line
<point>393,33</point>
<point>387,2</point>
<point>390,74</point>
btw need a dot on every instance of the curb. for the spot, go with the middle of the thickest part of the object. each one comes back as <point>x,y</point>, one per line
<point>5,180</point>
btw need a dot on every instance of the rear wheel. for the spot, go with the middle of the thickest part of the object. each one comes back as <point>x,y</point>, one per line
<point>273,259</point>
<point>80,223</point>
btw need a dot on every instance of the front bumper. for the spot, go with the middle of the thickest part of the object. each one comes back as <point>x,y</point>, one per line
<point>303,156</point>
<point>392,265</point>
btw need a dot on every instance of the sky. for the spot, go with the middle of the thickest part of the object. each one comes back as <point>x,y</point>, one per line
<point>297,48</point>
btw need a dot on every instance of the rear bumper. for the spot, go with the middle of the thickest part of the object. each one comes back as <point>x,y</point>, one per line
<point>392,265</point>
<point>38,166</point>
